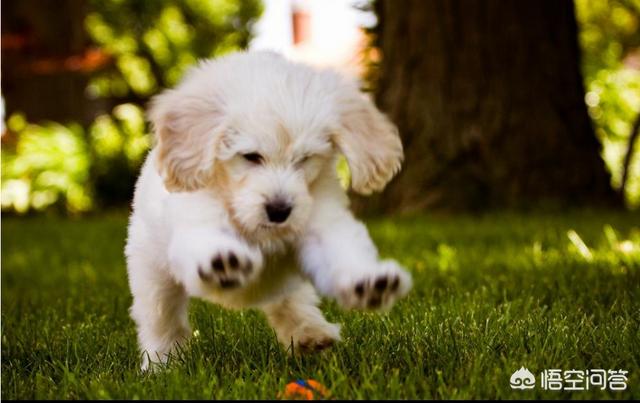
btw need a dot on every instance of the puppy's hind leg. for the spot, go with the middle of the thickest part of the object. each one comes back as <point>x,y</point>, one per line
<point>159,310</point>
<point>298,321</point>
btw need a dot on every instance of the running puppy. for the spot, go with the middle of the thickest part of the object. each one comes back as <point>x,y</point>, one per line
<point>239,203</point>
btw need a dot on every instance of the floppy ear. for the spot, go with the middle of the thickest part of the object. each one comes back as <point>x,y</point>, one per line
<point>369,141</point>
<point>187,130</point>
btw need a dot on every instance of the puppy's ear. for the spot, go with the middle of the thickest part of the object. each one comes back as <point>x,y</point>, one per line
<point>187,130</point>
<point>369,141</point>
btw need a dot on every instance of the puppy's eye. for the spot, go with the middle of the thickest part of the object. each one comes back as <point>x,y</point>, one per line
<point>303,160</point>
<point>254,158</point>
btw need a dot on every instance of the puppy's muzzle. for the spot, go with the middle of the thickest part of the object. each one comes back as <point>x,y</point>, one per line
<point>278,211</point>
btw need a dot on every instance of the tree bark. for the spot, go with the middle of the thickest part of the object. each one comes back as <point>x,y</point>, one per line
<point>628,156</point>
<point>43,41</point>
<point>488,97</point>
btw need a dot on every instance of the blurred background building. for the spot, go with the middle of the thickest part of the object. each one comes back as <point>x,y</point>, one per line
<point>323,33</point>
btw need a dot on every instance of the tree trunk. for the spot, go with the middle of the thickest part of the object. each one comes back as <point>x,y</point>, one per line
<point>626,164</point>
<point>43,46</point>
<point>488,97</point>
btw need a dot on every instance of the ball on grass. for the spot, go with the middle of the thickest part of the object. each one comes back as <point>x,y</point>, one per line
<point>305,390</point>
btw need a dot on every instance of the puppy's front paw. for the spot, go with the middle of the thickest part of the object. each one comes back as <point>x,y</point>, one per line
<point>218,263</point>
<point>375,289</point>
<point>230,267</point>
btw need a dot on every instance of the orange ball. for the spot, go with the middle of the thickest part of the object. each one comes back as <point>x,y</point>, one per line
<point>305,390</point>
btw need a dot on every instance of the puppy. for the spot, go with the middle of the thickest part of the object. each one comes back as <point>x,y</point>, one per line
<point>239,202</point>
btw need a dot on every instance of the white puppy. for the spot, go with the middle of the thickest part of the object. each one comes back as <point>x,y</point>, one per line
<point>239,202</point>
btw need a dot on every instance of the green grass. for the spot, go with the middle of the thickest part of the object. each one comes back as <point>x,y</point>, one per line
<point>492,293</point>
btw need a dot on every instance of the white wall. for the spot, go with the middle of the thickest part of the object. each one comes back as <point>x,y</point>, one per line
<point>335,34</point>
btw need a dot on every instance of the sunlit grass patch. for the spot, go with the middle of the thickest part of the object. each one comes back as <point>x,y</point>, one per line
<point>492,293</point>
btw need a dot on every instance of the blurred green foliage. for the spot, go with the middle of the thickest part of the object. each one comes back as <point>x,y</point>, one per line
<point>610,39</point>
<point>48,167</point>
<point>151,44</point>
<point>66,166</point>
<point>118,143</point>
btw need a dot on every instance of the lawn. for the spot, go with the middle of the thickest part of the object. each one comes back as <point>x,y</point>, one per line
<point>492,293</point>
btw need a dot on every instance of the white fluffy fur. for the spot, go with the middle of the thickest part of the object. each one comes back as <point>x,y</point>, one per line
<point>198,199</point>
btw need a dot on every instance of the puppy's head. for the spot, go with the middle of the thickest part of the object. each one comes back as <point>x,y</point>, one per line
<point>260,132</point>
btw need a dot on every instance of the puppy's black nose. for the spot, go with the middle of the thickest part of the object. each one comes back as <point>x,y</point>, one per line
<point>278,211</point>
